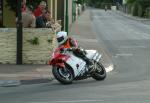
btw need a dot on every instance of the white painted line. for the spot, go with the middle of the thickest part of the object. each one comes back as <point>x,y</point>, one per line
<point>128,47</point>
<point>110,68</point>
<point>117,55</point>
<point>79,101</point>
<point>124,54</point>
<point>72,101</point>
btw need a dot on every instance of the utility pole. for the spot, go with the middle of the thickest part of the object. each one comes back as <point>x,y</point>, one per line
<point>66,18</point>
<point>19,33</point>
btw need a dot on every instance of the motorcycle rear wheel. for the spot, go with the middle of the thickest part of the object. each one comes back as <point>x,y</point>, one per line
<point>100,72</point>
<point>63,75</point>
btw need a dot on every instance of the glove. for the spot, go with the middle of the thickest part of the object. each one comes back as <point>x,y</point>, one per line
<point>63,49</point>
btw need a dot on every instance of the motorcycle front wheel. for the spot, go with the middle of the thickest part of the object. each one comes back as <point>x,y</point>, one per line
<point>100,72</point>
<point>63,75</point>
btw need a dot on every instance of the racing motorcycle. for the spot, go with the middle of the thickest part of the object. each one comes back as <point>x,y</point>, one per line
<point>66,66</point>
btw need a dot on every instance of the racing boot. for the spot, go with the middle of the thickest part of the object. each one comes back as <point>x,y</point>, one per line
<point>90,64</point>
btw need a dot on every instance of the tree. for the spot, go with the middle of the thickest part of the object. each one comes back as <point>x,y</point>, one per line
<point>99,3</point>
<point>138,7</point>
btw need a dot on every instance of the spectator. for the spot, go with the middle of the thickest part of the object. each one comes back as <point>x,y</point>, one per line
<point>24,6</point>
<point>44,21</point>
<point>39,10</point>
<point>28,18</point>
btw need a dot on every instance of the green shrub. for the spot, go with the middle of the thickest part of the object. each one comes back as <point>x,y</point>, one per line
<point>140,10</point>
<point>34,41</point>
<point>129,6</point>
<point>147,12</point>
<point>108,5</point>
<point>137,9</point>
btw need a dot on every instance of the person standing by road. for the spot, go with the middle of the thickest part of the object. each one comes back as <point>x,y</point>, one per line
<point>28,18</point>
<point>105,7</point>
<point>40,9</point>
<point>43,21</point>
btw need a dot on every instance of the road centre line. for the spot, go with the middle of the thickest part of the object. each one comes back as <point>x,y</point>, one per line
<point>128,47</point>
<point>124,54</point>
<point>72,101</point>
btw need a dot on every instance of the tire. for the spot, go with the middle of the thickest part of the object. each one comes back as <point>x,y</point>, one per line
<point>63,75</point>
<point>100,73</point>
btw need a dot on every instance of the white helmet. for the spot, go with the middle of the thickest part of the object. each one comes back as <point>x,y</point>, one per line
<point>61,37</point>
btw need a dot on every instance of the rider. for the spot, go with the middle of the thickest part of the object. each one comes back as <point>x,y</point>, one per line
<point>69,43</point>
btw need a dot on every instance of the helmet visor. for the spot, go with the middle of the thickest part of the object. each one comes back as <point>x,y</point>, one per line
<point>60,39</point>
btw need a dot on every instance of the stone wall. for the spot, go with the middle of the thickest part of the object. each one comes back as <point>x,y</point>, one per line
<point>32,53</point>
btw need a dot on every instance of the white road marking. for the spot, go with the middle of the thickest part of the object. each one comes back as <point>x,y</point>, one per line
<point>143,35</point>
<point>123,54</point>
<point>128,47</point>
<point>79,101</point>
<point>110,68</point>
<point>72,101</point>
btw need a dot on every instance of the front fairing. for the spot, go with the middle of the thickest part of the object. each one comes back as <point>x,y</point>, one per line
<point>58,59</point>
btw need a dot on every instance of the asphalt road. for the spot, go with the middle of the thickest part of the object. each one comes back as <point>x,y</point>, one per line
<point>127,41</point>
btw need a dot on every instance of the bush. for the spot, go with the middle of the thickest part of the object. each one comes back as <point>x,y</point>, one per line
<point>140,10</point>
<point>129,6</point>
<point>147,12</point>
<point>108,5</point>
<point>137,9</point>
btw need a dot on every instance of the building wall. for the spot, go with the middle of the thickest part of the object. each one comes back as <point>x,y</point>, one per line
<point>8,16</point>
<point>50,5</point>
<point>32,54</point>
<point>60,12</point>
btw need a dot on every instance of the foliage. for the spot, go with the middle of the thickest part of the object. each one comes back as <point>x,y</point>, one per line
<point>80,2</point>
<point>12,5</point>
<point>139,7</point>
<point>34,41</point>
<point>49,40</point>
<point>99,3</point>
<point>144,3</point>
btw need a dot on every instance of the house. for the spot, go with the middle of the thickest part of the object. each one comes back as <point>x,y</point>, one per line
<point>57,8</point>
<point>8,16</point>
<point>66,12</point>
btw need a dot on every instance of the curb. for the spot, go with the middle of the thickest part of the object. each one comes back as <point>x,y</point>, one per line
<point>36,81</point>
<point>8,83</point>
<point>12,83</point>
<point>131,17</point>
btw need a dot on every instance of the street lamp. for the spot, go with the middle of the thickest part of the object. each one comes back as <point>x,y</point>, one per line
<point>19,33</point>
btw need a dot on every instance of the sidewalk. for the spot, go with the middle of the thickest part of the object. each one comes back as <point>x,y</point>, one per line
<point>14,75</point>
